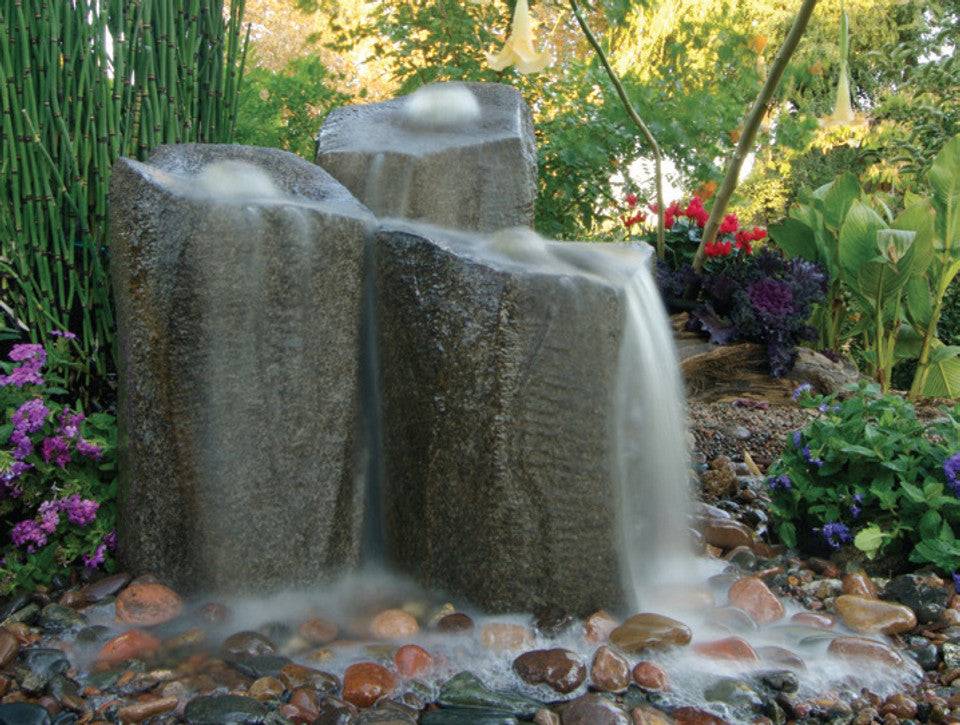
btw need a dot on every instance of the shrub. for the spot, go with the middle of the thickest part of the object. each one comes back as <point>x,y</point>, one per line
<point>57,481</point>
<point>866,471</point>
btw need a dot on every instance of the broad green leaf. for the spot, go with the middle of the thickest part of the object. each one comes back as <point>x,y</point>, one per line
<point>788,533</point>
<point>944,177</point>
<point>913,493</point>
<point>943,379</point>
<point>919,307</point>
<point>929,526</point>
<point>919,218</point>
<point>858,239</point>
<point>869,540</point>
<point>795,238</point>
<point>838,199</point>
<point>943,352</point>
<point>940,552</point>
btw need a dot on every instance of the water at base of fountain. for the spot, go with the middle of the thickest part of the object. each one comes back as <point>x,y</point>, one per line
<point>730,667</point>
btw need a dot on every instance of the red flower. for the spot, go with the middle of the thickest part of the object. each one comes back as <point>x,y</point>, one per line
<point>702,217</point>
<point>631,200</point>
<point>629,221</point>
<point>694,208</point>
<point>759,233</point>
<point>729,224</point>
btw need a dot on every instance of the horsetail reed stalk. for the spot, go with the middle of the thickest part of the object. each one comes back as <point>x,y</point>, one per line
<point>85,82</point>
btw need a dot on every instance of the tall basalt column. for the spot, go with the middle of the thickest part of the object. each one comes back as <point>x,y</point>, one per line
<point>436,158</point>
<point>239,300</point>
<point>496,391</point>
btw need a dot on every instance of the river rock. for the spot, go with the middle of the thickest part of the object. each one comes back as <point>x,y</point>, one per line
<point>412,660</point>
<point>857,649</point>
<point>147,709</point>
<point>503,637</point>
<point>394,624</point>
<point>9,647</point>
<point>239,294</point>
<point>246,644</point>
<point>24,713</point>
<point>870,616</point>
<point>559,669</point>
<point>598,626</point>
<point>695,716</point>
<point>730,648</point>
<point>646,715</point>
<point>924,595</point>
<point>294,676</point>
<point>650,676</point>
<point>859,584</point>
<point>725,533</point>
<point>609,671</point>
<point>132,644</point>
<point>593,709</point>
<point>642,631</point>
<point>753,596</point>
<point>148,604</point>
<point>496,384</point>
<point>467,690</point>
<point>735,693</point>
<point>318,631</point>
<point>223,710</point>
<point>366,682</point>
<point>467,716</point>
<point>480,174</point>
<point>104,588</point>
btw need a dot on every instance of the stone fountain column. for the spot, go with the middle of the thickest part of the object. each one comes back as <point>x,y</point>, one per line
<point>240,296</point>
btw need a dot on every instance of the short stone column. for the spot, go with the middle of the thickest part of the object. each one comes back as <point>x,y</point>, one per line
<point>239,276</point>
<point>438,156</point>
<point>497,381</point>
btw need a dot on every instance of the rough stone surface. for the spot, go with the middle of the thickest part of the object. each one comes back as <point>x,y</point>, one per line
<point>239,325</point>
<point>495,388</point>
<point>480,175</point>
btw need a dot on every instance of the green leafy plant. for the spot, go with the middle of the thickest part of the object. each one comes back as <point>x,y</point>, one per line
<point>57,471</point>
<point>866,471</point>
<point>888,275</point>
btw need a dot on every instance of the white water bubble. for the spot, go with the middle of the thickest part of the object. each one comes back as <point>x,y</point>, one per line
<point>447,107</point>
<point>237,181</point>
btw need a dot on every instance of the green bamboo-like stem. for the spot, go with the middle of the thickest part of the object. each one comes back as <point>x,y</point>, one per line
<point>69,110</point>
<point>750,128</point>
<point>635,117</point>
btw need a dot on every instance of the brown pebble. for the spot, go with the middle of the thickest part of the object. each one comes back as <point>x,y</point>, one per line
<point>755,598</point>
<point>609,671</point>
<point>456,622</point>
<point>9,647</point>
<point>318,631</point>
<point>147,605</point>
<point>546,717</point>
<point>598,626</point>
<point>648,715</point>
<point>366,682</point>
<point>266,688</point>
<point>144,710</point>
<point>394,624</point>
<point>650,676</point>
<point>501,637</point>
<point>858,583</point>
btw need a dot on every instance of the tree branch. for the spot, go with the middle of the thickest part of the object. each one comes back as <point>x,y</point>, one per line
<point>750,128</point>
<point>634,116</point>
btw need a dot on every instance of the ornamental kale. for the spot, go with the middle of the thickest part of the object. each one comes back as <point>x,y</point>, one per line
<point>56,472</point>
<point>767,299</point>
<point>866,470</point>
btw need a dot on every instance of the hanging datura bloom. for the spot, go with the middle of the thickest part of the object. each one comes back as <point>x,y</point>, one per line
<point>843,114</point>
<point>519,50</point>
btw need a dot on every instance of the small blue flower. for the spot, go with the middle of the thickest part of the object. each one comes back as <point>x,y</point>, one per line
<point>781,482</point>
<point>956,581</point>
<point>855,511</point>
<point>797,438</point>
<point>951,467</point>
<point>808,457</point>
<point>798,391</point>
<point>835,533</point>
<point>858,498</point>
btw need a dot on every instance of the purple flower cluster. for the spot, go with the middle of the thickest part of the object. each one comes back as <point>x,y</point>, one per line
<point>836,534</point>
<point>28,533</point>
<point>32,357</point>
<point>809,458</point>
<point>9,478</point>
<point>56,450</point>
<point>951,467</point>
<point>33,533</point>
<point>781,482</point>
<point>80,511</point>
<point>800,389</point>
